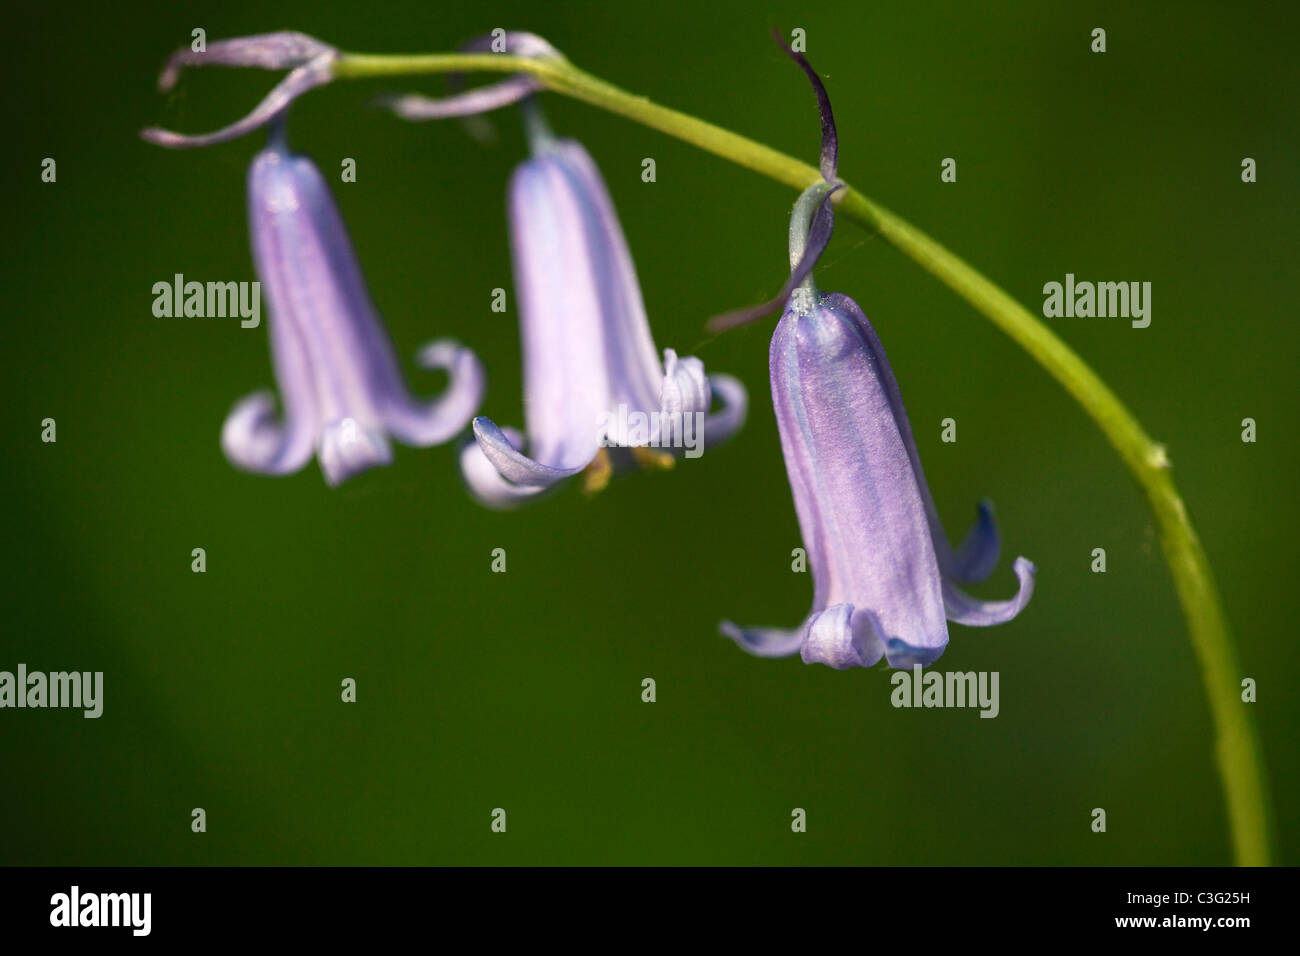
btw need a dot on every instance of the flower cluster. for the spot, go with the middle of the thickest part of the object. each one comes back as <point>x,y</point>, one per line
<point>590,364</point>
<point>886,580</point>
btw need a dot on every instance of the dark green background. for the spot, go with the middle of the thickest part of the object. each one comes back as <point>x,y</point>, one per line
<point>522,690</point>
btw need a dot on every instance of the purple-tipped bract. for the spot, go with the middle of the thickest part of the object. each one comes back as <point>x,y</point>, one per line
<point>310,63</point>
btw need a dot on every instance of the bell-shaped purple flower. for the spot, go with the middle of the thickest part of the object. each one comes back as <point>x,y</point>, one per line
<point>885,578</point>
<point>592,377</point>
<point>340,384</point>
<point>886,581</point>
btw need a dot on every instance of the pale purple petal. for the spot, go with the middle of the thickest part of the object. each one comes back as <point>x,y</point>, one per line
<point>485,482</point>
<point>635,370</point>
<point>685,388</point>
<point>844,452</point>
<point>805,484</point>
<point>512,464</point>
<point>979,552</point>
<point>254,440</point>
<point>839,639</point>
<point>733,401</point>
<point>566,378</point>
<point>424,423</point>
<point>766,641</point>
<point>904,656</point>
<point>348,448</point>
<point>964,609</point>
<point>982,545</point>
<point>313,282</point>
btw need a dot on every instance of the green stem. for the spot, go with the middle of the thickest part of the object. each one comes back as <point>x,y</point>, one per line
<point>1239,760</point>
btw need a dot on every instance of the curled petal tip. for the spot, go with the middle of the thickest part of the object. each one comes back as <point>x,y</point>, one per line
<point>765,641</point>
<point>255,441</point>
<point>961,608</point>
<point>422,423</point>
<point>733,400</point>
<point>485,483</point>
<point>512,464</point>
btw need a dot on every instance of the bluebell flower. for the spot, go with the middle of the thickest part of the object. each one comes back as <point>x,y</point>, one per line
<point>597,395</point>
<point>590,364</point>
<point>340,384</point>
<point>885,579</point>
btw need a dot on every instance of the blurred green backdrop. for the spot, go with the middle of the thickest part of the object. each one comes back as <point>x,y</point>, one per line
<point>523,690</point>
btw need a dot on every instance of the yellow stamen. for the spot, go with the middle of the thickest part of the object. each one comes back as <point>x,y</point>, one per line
<point>596,475</point>
<point>652,460</point>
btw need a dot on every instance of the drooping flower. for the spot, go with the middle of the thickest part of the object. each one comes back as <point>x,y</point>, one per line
<point>885,577</point>
<point>596,394</point>
<point>340,383</point>
<point>591,371</point>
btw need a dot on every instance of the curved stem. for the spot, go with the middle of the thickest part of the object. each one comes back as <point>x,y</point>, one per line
<point>1239,760</point>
